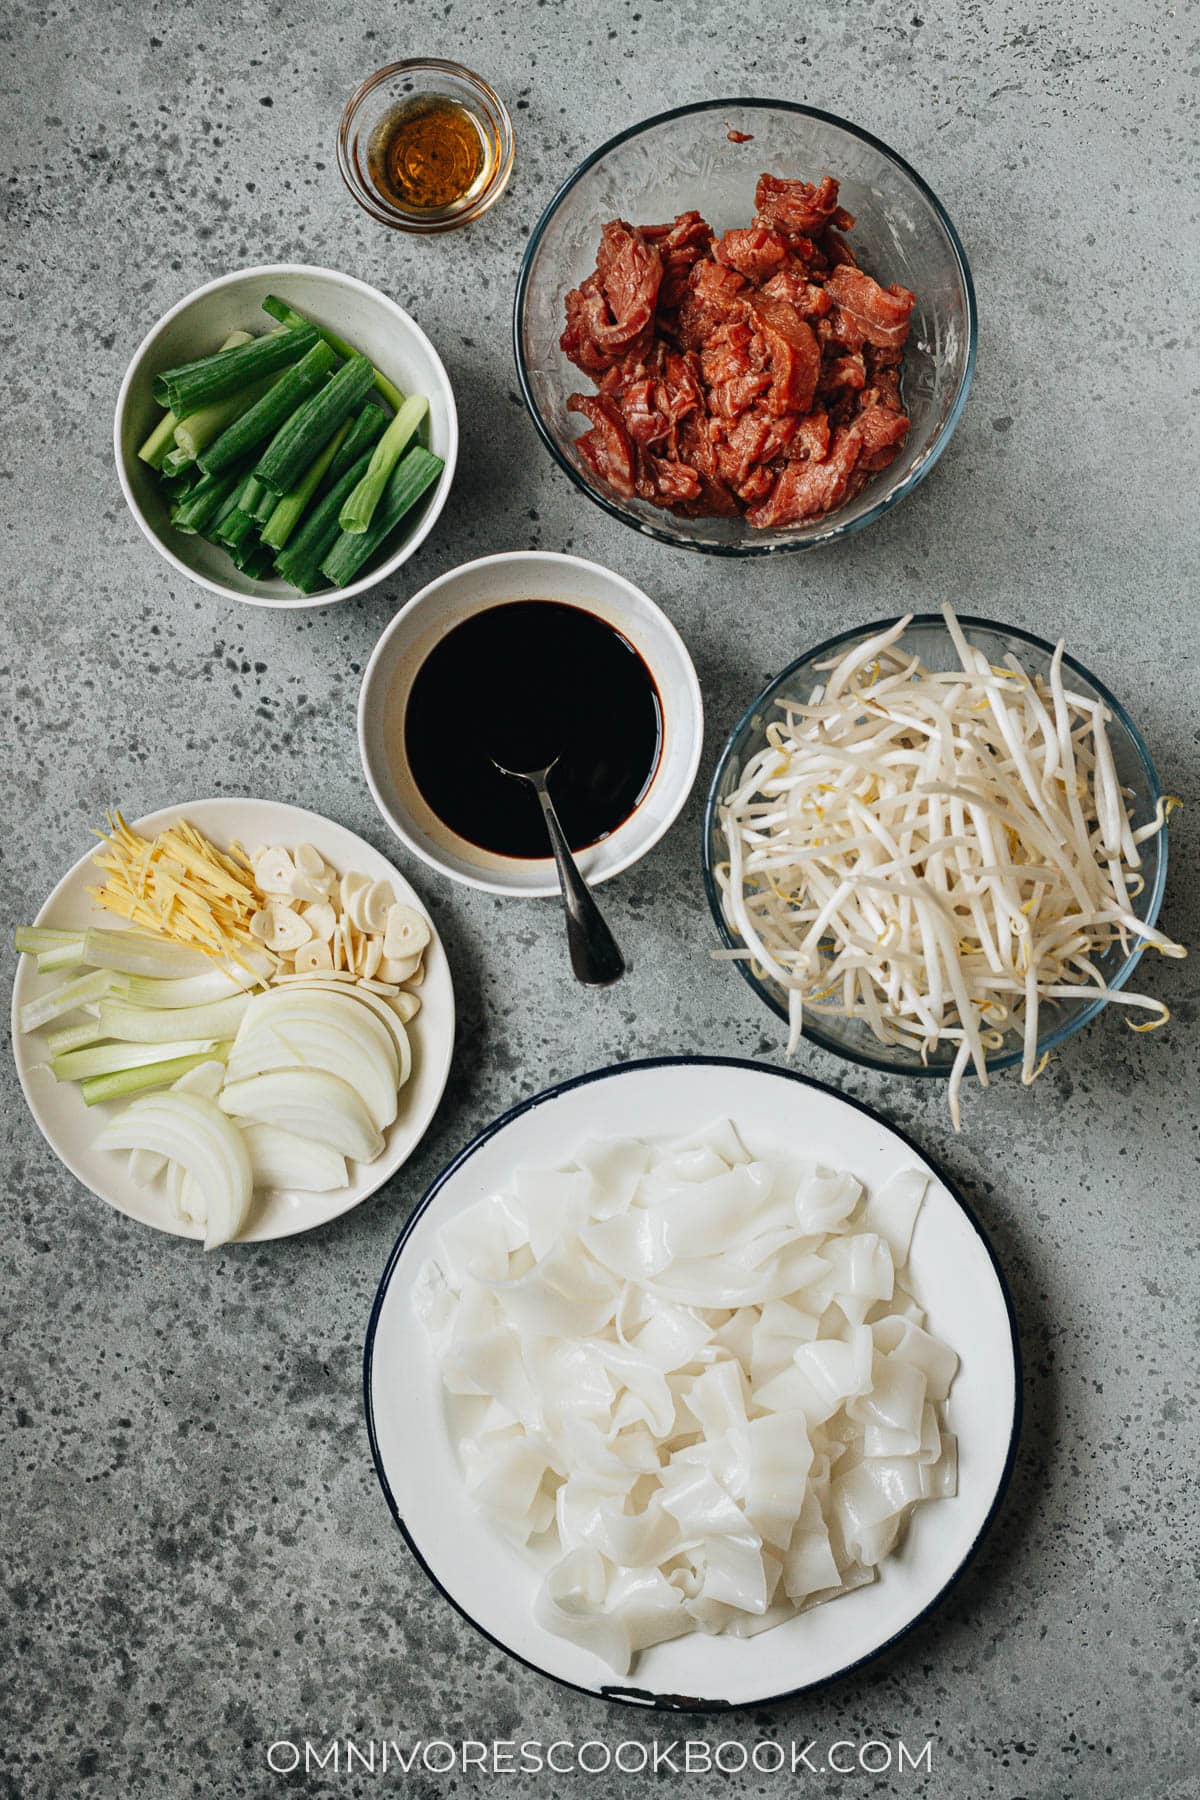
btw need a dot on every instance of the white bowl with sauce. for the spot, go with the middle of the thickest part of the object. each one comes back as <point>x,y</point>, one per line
<point>443,606</point>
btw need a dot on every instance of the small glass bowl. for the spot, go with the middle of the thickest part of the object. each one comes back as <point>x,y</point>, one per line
<point>421,77</point>
<point>687,158</point>
<point>927,637</point>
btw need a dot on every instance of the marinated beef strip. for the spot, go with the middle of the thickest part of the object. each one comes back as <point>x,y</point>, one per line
<point>755,373</point>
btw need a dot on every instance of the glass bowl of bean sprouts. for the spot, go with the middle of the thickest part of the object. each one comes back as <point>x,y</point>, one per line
<point>934,819</point>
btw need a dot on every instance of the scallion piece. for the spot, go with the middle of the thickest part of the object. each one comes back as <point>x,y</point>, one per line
<point>73,1037</point>
<point>160,441</point>
<point>307,431</point>
<point>85,990</point>
<point>136,1081</point>
<point>110,1059</point>
<point>252,558</point>
<point>287,315</point>
<point>196,512</point>
<point>264,505</point>
<point>366,428</point>
<point>286,513</point>
<point>412,477</point>
<point>238,524</point>
<point>360,506</point>
<point>157,1025</point>
<point>195,433</point>
<point>192,385</point>
<point>175,463</point>
<point>272,411</point>
<point>33,940</point>
<point>163,438</point>
<point>301,562</point>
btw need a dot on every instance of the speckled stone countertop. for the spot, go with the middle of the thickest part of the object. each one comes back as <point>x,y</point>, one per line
<point>197,1558</point>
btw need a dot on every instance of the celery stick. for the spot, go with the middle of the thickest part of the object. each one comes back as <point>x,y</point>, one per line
<point>358,509</point>
<point>287,315</point>
<point>161,439</point>
<point>135,1081</point>
<point>286,514</point>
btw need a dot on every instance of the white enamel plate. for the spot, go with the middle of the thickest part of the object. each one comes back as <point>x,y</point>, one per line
<point>70,1127</point>
<point>956,1278</point>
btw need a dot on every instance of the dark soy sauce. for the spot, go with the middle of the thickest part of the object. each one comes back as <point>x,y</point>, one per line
<point>527,681</point>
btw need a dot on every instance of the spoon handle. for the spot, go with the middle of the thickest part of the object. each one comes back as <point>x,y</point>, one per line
<point>595,958</point>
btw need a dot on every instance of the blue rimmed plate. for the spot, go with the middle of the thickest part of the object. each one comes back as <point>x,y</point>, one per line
<point>956,1276</point>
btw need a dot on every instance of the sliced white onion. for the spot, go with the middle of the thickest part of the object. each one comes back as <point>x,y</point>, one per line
<point>309,1102</point>
<point>194,1133</point>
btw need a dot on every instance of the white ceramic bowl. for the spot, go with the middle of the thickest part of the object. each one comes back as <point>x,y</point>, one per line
<point>196,326</point>
<point>493,1584</point>
<point>445,603</point>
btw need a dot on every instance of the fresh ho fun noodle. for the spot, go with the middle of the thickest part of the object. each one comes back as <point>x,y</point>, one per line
<point>939,855</point>
<point>695,1384</point>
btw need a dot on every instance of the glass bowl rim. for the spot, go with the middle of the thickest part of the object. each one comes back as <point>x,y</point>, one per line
<point>394,217</point>
<point>814,1034</point>
<point>886,501</point>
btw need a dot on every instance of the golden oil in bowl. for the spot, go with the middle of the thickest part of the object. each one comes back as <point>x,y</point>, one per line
<point>425,145</point>
<point>429,154</point>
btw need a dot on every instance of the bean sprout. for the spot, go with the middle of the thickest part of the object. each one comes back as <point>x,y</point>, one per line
<point>941,855</point>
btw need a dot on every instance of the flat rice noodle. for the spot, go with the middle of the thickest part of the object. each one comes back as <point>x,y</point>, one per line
<point>892,1211</point>
<point>825,1198</point>
<point>663,1381</point>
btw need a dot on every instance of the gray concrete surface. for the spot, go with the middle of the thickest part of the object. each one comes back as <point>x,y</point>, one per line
<point>197,1560</point>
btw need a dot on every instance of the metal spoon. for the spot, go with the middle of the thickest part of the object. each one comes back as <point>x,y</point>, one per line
<point>595,958</point>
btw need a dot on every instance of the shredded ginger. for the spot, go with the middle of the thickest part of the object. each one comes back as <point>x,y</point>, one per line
<point>179,885</point>
<point>939,855</point>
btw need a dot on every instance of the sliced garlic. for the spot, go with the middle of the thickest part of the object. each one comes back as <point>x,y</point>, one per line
<point>325,974</point>
<point>260,925</point>
<point>288,930</point>
<point>417,976</point>
<point>406,1005</point>
<point>351,882</point>
<point>370,956</point>
<point>379,902</point>
<point>312,957</point>
<point>397,968</point>
<point>302,887</point>
<point>406,933</point>
<point>386,988</point>
<point>309,861</point>
<point>320,918</point>
<point>274,870</point>
<point>356,912</point>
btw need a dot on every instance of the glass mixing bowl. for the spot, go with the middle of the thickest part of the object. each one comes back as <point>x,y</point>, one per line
<point>927,637</point>
<point>685,159</point>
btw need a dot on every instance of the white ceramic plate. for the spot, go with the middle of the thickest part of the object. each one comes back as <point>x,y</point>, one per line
<point>69,1127</point>
<point>956,1277</point>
